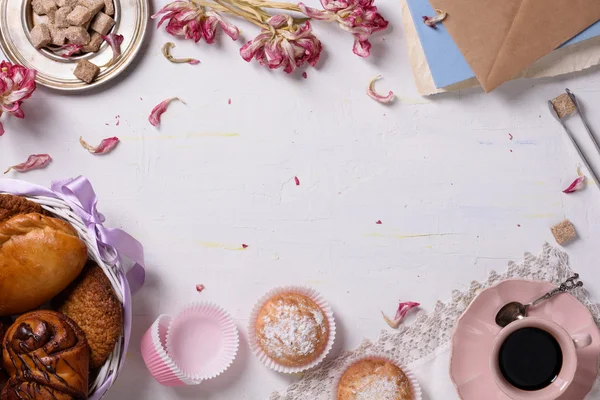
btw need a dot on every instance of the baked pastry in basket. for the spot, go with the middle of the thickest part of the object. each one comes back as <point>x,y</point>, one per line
<point>39,256</point>
<point>91,302</point>
<point>46,356</point>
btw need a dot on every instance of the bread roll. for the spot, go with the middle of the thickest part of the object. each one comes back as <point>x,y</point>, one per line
<point>39,257</point>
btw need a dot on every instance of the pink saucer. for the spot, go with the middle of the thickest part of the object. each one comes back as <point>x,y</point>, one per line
<point>476,330</point>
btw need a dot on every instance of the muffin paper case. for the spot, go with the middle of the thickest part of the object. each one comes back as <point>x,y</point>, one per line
<point>154,353</point>
<point>414,383</point>
<point>253,341</point>
<point>75,201</point>
<point>202,341</point>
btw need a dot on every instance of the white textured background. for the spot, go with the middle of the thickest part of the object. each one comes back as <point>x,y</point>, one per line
<point>438,172</point>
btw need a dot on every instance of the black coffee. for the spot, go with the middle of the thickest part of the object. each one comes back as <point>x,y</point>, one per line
<point>530,359</point>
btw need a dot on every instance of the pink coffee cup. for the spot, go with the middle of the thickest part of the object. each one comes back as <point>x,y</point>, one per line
<point>568,344</point>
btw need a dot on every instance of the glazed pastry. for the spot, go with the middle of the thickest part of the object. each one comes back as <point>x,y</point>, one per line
<point>374,379</point>
<point>39,257</point>
<point>46,356</point>
<point>91,302</point>
<point>292,329</point>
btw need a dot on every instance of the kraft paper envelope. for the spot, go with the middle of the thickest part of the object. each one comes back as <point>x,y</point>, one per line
<point>500,38</point>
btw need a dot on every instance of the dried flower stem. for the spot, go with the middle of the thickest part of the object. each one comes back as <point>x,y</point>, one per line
<point>256,20</point>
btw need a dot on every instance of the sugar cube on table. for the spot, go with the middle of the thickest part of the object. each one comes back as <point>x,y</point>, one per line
<point>86,71</point>
<point>79,16</point>
<point>40,36</point>
<point>60,18</point>
<point>564,232</point>
<point>102,23</point>
<point>109,7</point>
<point>94,44</point>
<point>93,5</point>
<point>77,35</point>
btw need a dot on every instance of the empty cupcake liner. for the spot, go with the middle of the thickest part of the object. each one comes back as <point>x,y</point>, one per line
<point>414,383</point>
<point>154,353</point>
<point>253,341</point>
<point>202,341</point>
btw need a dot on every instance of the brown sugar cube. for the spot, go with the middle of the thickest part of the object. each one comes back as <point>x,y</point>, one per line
<point>102,23</point>
<point>77,35</point>
<point>43,7</point>
<point>86,71</point>
<point>79,16</point>
<point>40,36</point>
<point>109,7</point>
<point>564,232</point>
<point>563,105</point>
<point>58,35</point>
<point>66,3</point>
<point>94,44</point>
<point>60,18</point>
<point>93,5</point>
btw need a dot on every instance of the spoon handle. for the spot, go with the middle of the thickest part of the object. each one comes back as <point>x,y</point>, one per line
<point>570,284</point>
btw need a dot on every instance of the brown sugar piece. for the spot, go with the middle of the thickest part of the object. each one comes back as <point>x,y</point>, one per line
<point>66,3</point>
<point>86,71</point>
<point>563,105</point>
<point>94,44</point>
<point>40,36</point>
<point>79,16</point>
<point>109,7</point>
<point>77,35</point>
<point>564,232</point>
<point>102,23</point>
<point>91,302</point>
<point>60,18</point>
<point>93,5</point>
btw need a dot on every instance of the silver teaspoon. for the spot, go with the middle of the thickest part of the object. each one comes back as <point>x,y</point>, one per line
<point>513,311</point>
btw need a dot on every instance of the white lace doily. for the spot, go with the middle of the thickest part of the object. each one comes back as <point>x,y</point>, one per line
<point>432,331</point>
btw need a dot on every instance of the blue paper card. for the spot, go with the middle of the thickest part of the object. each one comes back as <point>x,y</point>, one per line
<point>446,62</point>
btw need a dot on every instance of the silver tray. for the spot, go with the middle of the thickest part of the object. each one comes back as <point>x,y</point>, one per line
<point>17,19</point>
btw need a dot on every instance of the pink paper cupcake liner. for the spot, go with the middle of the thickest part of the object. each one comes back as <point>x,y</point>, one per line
<point>202,341</point>
<point>414,383</point>
<point>154,353</point>
<point>253,341</point>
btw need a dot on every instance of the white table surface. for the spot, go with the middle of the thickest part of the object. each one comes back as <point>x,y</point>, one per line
<point>457,198</point>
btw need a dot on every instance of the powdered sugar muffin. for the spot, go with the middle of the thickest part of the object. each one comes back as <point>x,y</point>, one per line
<point>292,329</point>
<point>374,379</point>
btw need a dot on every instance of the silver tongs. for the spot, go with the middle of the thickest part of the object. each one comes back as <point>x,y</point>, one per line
<point>576,107</point>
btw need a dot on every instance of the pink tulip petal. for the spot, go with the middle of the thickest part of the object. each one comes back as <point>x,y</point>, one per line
<point>362,48</point>
<point>378,222</point>
<point>433,21</point>
<point>297,181</point>
<point>403,308</point>
<point>67,50</point>
<point>200,288</point>
<point>105,146</point>
<point>577,184</point>
<point>1,126</point>
<point>114,41</point>
<point>34,161</point>
<point>157,111</point>
<point>372,94</point>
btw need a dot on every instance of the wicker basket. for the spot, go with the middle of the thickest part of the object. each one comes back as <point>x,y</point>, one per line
<point>116,275</point>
